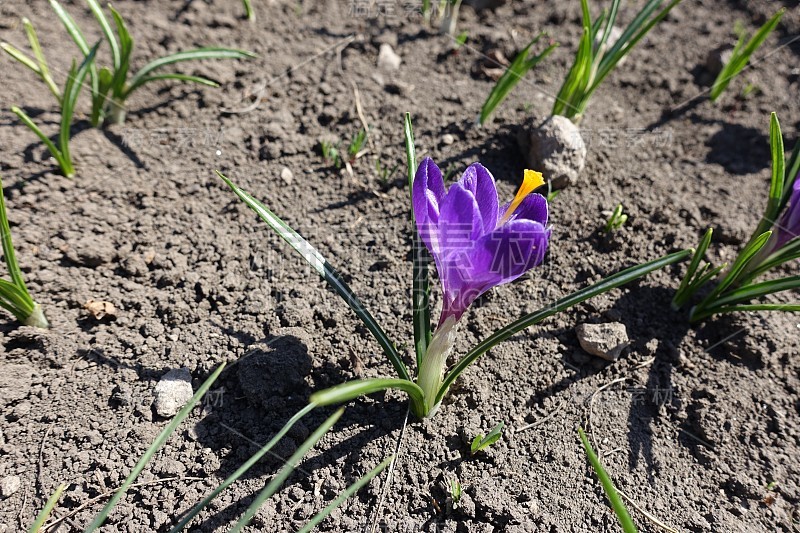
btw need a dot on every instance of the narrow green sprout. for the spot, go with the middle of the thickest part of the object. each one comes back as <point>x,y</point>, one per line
<point>148,454</point>
<point>741,54</point>
<point>616,220</point>
<point>773,243</point>
<point>520,66</point>
<point>480,443</point>
<point>41,518</point>
<point>385,172</point>
<point>248,10</point>
<point>357,144</point>
<point>111,87</point>
<point>37,65</point>
<point>456,491</point>
<point>461,40</point>
<point>14,295</point>
<point>72,89</point>
<point>596,57</point>
<point>623,517</point>
<point>330,153</point>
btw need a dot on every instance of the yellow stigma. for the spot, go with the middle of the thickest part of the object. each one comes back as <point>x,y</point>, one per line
<point>530,182</point>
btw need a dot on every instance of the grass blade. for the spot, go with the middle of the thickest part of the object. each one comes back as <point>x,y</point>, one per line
<point>188,55</point>
<point>291,464</point>
<point>605,285</point>
<point>19,56</point>
<point>741,56</point>
<point>513,74</point>
<point>608,486</point>
<point>41,518</point>
<point>157,443</point>
<point>181,77</point>
<point>97,11</point>
<point>8,247</point>
<point>242,469</point>
<point>698,315</point>
<point>248,10</point>
<point>684,293</point>
<point>420,286</point>
<point>757,290</point>
<point>742,260</point>
<point>55,152</point>
<point>351,390</point>
<point>44,71</point>
<point>352,489</point>
<point>326,272</point>
<point>792,172</point>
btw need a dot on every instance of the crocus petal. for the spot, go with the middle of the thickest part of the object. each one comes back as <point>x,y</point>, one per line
<point>478,180</point>
<point>533,207</point>
<point>427,194</point>
<point>460,222</point>
<point>788,226</point>
<point>507,253</point>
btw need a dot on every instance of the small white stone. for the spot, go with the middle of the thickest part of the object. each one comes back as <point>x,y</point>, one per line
<point>9,485</point>
<point>286,175</point>
<point>555,148</point>
<point>387,58</point>
<point>603,340</point>
<point>173,391</point>
<point>448,138</point>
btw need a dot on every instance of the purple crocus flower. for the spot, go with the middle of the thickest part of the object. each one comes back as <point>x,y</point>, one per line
<point>788,225</point>
<point>476,243</point>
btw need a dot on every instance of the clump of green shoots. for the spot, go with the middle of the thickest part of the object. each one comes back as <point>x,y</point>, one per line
<point>14,295</point>
<point>596,58</point>
<point>616,220</point>
<point>774,242</point>
<point>481,443</point>
<point>330,153</point>
<point>111,86</point>
<point>354,149</point>
<point>741,54</point>
<point>72,88</point>
<point>524,62</point>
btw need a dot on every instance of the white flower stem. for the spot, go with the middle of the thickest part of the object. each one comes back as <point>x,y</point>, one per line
<point>37,318</point>
<point>432,366</point>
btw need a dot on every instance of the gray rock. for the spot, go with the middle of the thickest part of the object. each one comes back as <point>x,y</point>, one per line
<point>555,148</point>
<point>173,391</point>
<point>286,175</point>
<point>9,485</point>
<point>387,58</point>
<point>603,340</point>
<point>448,138</point>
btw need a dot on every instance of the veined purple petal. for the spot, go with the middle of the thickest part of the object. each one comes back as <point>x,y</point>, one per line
<point>460,222</point>
<point>478,180</point>
<point>427,194</point>
<point>533,207</point>
<point>507,253</point>
<point>788,226</point>
<point>496,258</point>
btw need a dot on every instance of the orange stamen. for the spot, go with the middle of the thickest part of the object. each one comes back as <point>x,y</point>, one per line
<point>531,181</point>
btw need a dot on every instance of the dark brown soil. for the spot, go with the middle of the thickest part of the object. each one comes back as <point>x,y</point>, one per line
<point>698,425</point>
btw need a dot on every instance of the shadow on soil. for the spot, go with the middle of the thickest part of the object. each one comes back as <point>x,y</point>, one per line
<point>257,395</point>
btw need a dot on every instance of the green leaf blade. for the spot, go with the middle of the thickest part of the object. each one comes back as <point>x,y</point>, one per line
<point>325,271</point>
